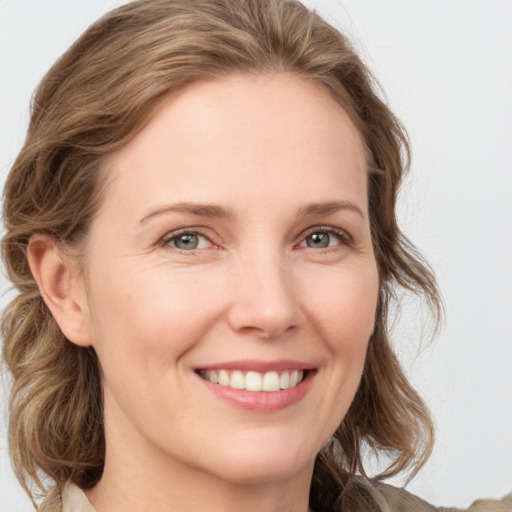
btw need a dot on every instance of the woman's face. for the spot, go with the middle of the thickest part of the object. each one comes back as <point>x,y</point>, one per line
<point>233,245</point>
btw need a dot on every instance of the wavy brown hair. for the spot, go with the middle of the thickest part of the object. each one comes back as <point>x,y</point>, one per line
<point>94,100</point>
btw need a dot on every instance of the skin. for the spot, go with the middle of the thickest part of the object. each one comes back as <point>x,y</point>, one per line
<point>256,287</point>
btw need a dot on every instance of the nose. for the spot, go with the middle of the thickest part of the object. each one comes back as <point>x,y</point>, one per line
<point>264,296</point>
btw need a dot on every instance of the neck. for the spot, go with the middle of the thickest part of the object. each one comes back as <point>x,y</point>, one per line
<point>162,484</point>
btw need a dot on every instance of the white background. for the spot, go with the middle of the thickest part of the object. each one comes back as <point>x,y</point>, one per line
<point>446,67</point>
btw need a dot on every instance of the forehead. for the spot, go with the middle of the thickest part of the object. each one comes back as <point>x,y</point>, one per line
<point>251,133</point>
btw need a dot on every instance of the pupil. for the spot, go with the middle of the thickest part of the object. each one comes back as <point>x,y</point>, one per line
<point>187,242</point>
<point>319,240</point>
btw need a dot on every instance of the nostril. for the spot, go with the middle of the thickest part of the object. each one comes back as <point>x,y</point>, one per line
<point>268,332</point>
<point>266,306</point>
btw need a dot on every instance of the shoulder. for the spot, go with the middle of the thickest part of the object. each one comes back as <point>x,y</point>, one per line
<point>363,495</point>
<point>503,505</point>
<point>359,495</point>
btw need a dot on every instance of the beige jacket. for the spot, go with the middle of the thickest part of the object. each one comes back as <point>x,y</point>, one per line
<point>378,497</point>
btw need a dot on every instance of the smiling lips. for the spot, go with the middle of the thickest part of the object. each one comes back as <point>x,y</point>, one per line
<point>271,381</point>
<point>258,386</point>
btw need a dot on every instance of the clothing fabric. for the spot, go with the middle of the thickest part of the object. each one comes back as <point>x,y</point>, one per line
<point>360,495</point>
<point>386,498</point>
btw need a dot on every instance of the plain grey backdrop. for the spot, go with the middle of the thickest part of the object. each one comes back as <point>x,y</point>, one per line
<point>446,69</point>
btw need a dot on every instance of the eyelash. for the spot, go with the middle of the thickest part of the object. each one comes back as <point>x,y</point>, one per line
<point>343,236</point>
<point>166,240</point>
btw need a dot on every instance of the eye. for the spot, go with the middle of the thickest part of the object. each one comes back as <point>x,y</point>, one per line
<point>186,241</point>
<point>324,238</point>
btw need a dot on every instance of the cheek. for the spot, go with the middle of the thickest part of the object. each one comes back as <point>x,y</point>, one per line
<point>345,320</point>
<point>347,325</point>
<point>138,313</point>
<point>345,307</point>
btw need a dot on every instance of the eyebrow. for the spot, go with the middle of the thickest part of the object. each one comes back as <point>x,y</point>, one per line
<point>197,209</point>
<point>330,208</point>
<point>215,211</point>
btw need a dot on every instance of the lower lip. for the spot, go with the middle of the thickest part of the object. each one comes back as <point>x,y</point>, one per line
<point>261,401</point>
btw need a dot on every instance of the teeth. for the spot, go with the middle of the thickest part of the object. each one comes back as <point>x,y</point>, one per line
<point>223,378</point>
<point>271,381</point>
<point>254,381</point>
<point>237,380</point>
<point>284,380</point>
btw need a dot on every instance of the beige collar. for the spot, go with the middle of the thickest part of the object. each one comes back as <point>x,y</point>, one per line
<point>75,500</point>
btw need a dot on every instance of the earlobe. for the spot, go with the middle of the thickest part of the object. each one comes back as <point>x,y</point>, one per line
<point>60,286</point>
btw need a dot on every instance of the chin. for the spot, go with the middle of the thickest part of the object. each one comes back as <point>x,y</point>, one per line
<point>265,462</point>
<point>271,471</point>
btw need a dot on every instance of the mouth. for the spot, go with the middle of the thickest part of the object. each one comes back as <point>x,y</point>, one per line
<point>270,382</point>
<point>258,386</point>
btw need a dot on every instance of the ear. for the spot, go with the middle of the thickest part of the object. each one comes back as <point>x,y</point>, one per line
<point>61,287</point>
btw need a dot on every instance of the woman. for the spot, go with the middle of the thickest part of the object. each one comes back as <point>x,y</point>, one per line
<point>202,228</point>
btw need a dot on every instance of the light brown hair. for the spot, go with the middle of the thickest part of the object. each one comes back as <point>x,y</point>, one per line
<point>97,96</point>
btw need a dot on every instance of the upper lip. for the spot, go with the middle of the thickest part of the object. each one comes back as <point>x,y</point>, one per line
<point>259,366</point>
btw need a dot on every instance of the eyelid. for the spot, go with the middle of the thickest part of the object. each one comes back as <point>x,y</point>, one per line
<point>164,240</point>
<point>341,233</point>
<point>171,235</point>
